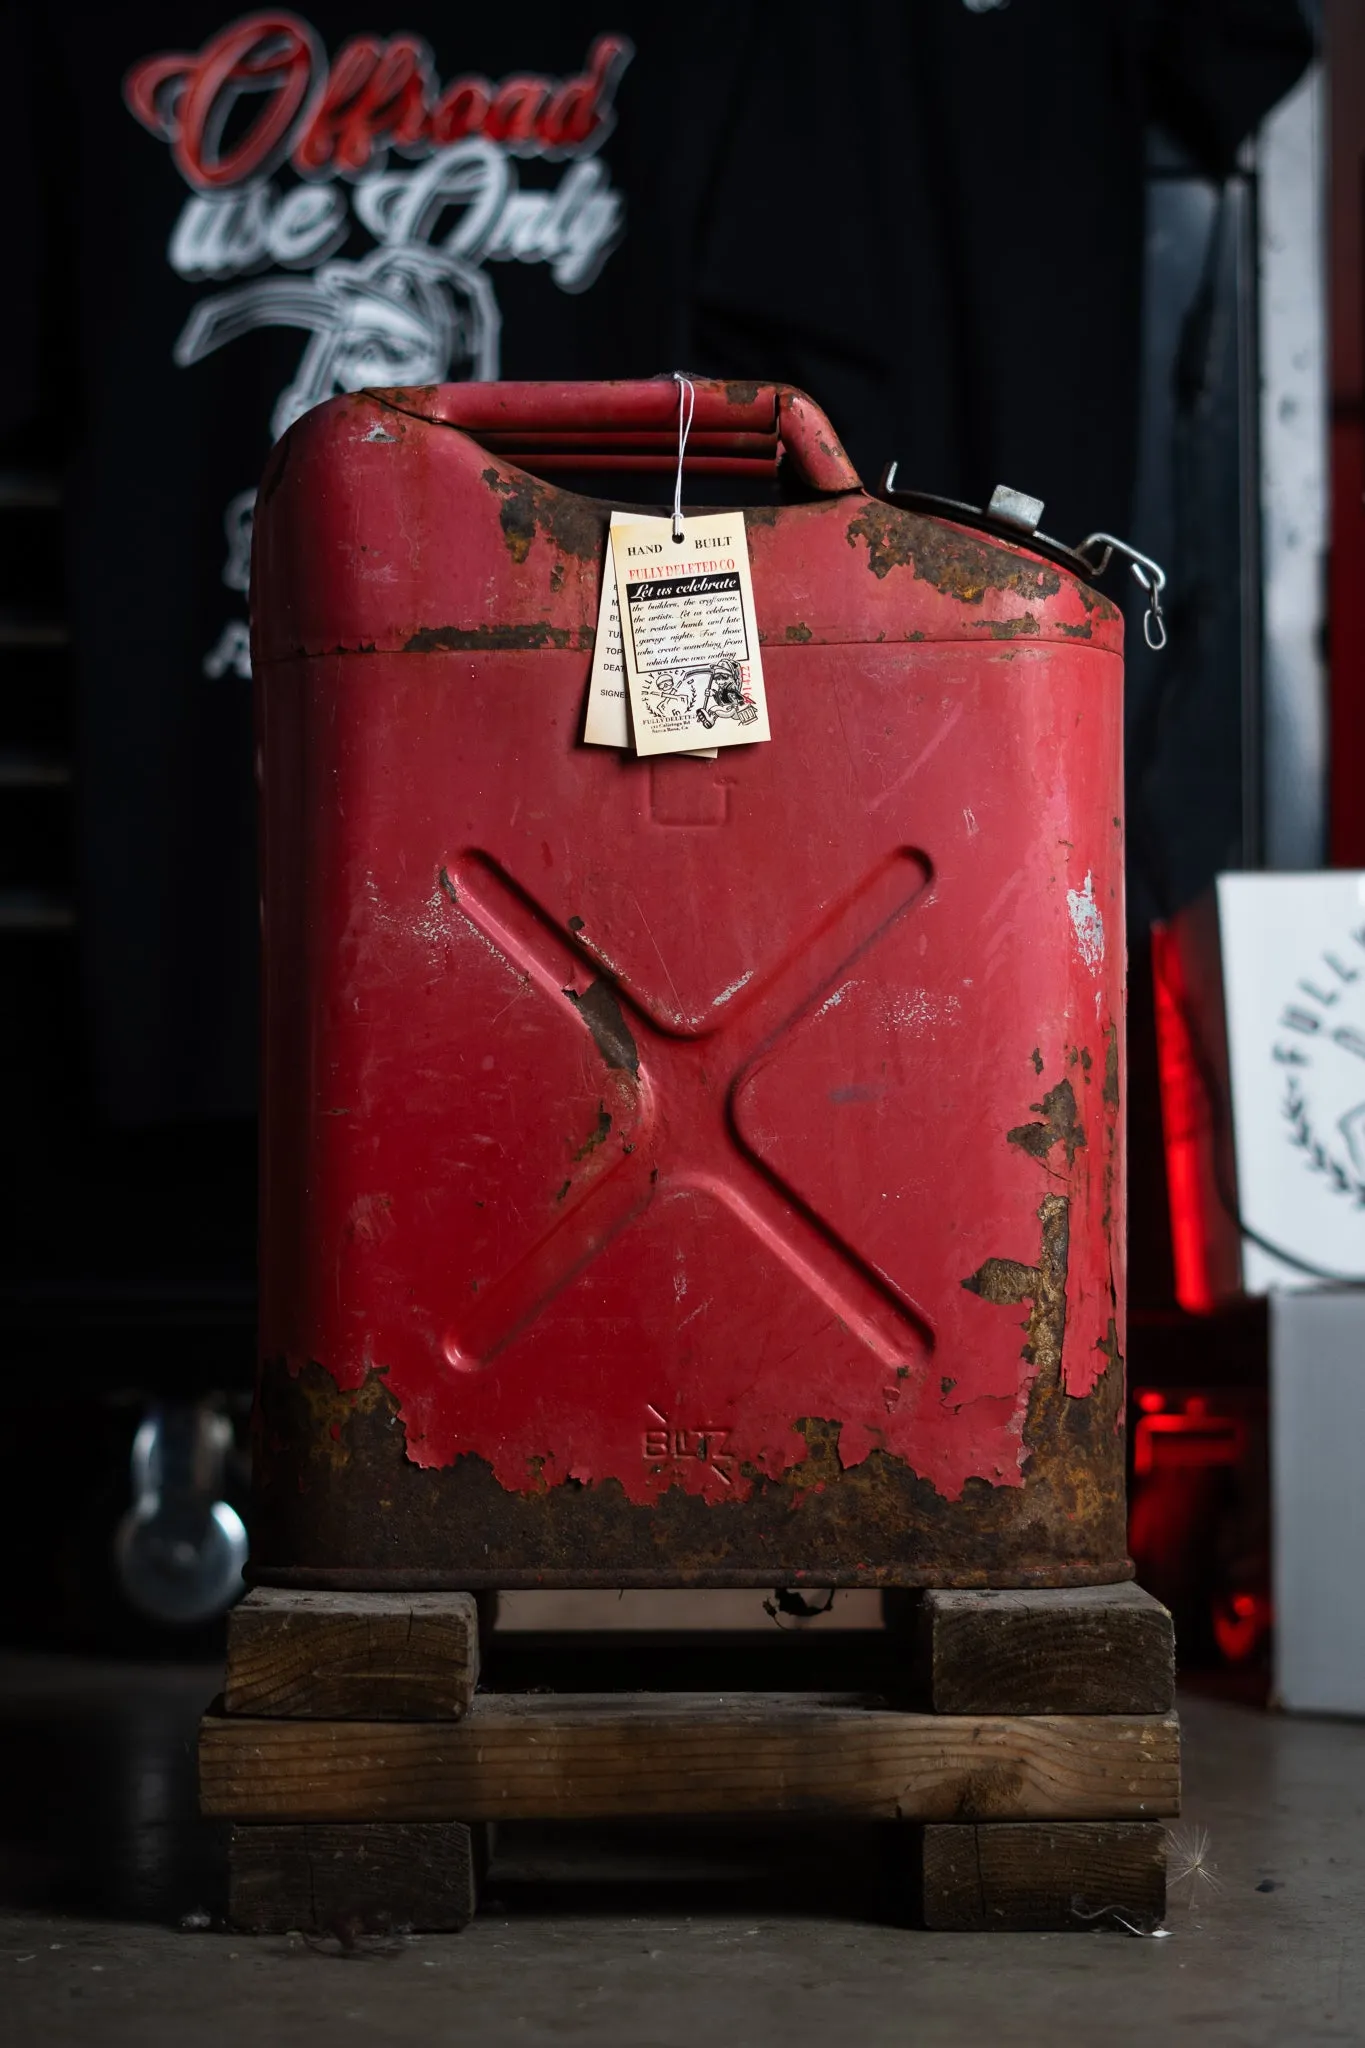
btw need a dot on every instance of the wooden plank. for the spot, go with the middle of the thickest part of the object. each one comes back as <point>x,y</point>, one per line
<point>352,1656</point>
<point>1078,1650</point>
<point>354,1882</point>
<point>1044,1875</point>
<point>579,1757</point>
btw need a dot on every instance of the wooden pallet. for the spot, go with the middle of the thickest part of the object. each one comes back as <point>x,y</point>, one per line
<point>1025,1741</point>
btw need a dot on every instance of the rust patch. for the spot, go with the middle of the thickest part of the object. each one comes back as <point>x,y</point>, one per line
<point>576,526</point>
<point>1110,1090</point>
<point>401,397</point>
<point>1008,1283</point>
<point>1085,1439</point>
<point>599,1134</point>
<point>1047,1323</point>
<point>330,1411</point>
<point>743,390</point>
<point>600,1010</point>
<point>955,562</point>
<point>387,1522</point>
<point>1060,1126</point>
<point>462,639</point>
<point>1074,1442</point>
<point>800,633</point>
<point>1011,629</point>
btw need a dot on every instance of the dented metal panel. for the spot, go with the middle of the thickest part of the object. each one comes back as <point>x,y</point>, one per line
<point>680,1171</point>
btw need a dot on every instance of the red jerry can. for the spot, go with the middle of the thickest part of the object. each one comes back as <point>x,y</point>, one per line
<point>680,1172</point>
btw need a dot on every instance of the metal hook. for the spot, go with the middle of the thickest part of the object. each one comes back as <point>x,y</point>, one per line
<point>1149,575</point>
<point>1153,619</point>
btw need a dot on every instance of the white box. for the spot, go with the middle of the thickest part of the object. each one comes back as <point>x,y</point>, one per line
<point>1317,1412</point>
<point>1293,967</point>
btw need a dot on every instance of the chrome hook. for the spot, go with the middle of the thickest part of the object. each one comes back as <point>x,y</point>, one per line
<point>1149,575</point>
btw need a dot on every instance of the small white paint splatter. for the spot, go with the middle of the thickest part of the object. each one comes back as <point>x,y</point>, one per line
<point>733,990</point>
<point>488,944</point>
<point>914,1012</point>
<point>402,923</point>
<point>833,1002</point>
<point>1089,924</point>
<point>600,953</point>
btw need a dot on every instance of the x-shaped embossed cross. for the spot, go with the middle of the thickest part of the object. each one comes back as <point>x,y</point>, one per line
<point>680,1097</point>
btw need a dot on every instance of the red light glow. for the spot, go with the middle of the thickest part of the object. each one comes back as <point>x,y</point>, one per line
<point>1183,1116</point>
<point>1192,1437</point>
<point>1240,1624</point>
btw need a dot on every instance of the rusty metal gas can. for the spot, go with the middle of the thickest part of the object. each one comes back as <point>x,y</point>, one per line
<point>679,1172</point>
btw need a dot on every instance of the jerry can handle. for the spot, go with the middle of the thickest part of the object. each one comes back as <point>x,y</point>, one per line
<point>813,445</point>
<point>737,428</point>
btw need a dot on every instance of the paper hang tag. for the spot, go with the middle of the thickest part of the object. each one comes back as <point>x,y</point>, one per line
<point>608,720</point>
<point>689,637</point>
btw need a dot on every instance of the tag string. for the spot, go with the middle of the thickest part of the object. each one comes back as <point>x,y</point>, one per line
<point>687,387</point>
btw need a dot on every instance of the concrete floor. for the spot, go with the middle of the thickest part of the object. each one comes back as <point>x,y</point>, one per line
<point>661,1941</point>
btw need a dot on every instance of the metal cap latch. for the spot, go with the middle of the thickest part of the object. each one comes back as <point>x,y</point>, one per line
<point>1015,512</point>
<point>1149,574</point>
<point>1016,509</point>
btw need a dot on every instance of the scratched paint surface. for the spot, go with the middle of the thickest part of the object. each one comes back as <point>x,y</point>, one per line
<point>623,1115</point>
